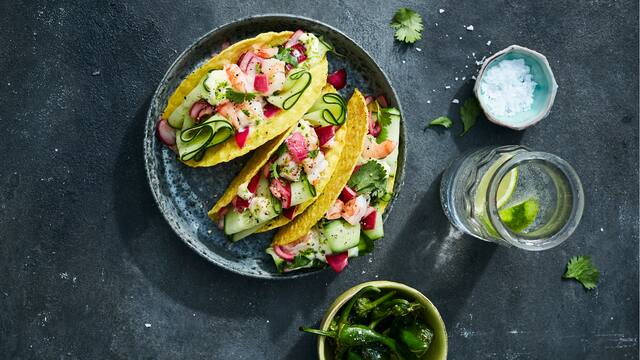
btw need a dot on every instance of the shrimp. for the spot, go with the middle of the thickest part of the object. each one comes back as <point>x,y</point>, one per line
<point>355,209</point>
<point>236,77</point>
<point>335,212</point>
<point>226,109</point>
<point>287,168</point>
<point>274,69</point>
<point>267,53</point>
<point>314,167</point>
<point>373,150</point>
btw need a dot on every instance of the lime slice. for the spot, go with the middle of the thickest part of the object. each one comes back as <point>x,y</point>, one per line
<point>520,216</point>
<point>505,189</point>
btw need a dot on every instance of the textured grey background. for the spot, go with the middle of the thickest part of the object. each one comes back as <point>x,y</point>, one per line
<point>86,260</point>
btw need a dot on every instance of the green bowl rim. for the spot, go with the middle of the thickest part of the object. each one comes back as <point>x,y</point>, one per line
<point>384,284</point>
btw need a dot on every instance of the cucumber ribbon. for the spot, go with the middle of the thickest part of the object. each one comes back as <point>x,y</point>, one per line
<point>193,142</point>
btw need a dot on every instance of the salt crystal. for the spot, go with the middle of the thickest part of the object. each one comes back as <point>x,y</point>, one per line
<point>489,43</point>
<point>418,49</point>
<point>508,88</point>
<point>470,27</point>
<point>460,38</point>
<point>147,325</point>
<point>403,61</point>
<point>428,101</point>
<point>456,78</point>
<point>441,11</point>
<point>447,87</point>
<point>455,101</point>
<point>464,78</point>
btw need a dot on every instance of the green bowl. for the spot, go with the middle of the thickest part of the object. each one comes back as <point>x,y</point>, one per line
<point>439,346</point>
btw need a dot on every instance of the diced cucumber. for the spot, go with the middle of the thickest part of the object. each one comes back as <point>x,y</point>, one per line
<point>341,235</point>
<point>300,192</point>
<point>263,188</point>
<point>236,222</point>
<point>377,232</point>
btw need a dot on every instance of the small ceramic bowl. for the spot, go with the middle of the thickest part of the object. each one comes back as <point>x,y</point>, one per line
<point>543,96</point>
<point>439,346</point>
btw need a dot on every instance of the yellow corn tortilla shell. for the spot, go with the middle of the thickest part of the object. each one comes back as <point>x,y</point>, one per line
<point>356,127</point>
<point>268,129</point>
<point>332,155</point>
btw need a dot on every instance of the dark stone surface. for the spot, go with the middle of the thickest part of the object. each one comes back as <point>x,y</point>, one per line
<point>86,259</point>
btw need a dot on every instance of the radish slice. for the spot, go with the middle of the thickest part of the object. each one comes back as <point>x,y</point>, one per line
<point>166,133</point>
<point>206,111</point>
<point>294,38</point>
<point>347,194</point>
<point>325,133</point>
<point>338,79</point>
<point>382,101</point>
<point>261,83</point>
<point>297,147</point>
<point>253,184</point>
<point>270,110</point>
<point>240,204</point>
<point>368,99</point>
<point>355,169</point>
<point>298,51</point>
<point>290,212</point>
<point>279,250</point>
<point>281,191</point>
<point>241,137</point>
<point>243,62</point>
<point>369,221</point>
<point>197,107</point>
<point>338,261</point>
<point>374,126</point>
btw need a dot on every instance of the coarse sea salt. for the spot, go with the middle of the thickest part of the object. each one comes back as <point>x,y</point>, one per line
<point>508,88</point>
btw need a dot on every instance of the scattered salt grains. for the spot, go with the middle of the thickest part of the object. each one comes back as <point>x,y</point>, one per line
<point>403,61</point>
<point>470,28</point>
<point>95,73</point>
<point>447,87</point>
<point>147,325</point>
<point>464,78</point>
<point>601,230</point>
<point>455,101</point>
<point>489,43</point>
<point>209,231</point>
<point>418,49</point>
<point>428,101</point>
<point>508,87</point>
<point>441,11</point>
<point>456,78</point>
<point>460,37</point>
<point>267,321</point>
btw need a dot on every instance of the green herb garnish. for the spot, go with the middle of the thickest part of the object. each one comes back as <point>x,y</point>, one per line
<point>582,269</point>
<point>370,179</point>
<point>239,97</point>
<point>274,171</point>
<point>469,113</point>
<point>441,121</point>
<point>313,153</point>
<point>408,25</point>
<point>284,54</point>
<point>385,116</point>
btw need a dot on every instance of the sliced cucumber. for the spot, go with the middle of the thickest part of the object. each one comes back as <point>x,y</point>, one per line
<point>297,82</point>
<point>377,232</point>
<point>341,235</point>
<point>194,141</point>
<point>301,191</point>
<point>330,109</point>
<point>243,234</point>
<point>178,115</point>
<point>235,222</point>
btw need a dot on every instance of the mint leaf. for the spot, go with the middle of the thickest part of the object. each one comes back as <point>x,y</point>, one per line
<point>469,113</point>
<point>582,269</point>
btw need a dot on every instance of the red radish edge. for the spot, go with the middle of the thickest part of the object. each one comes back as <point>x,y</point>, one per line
<point>296,144</point>
<point>290,212</point>
<point>369,222</point>
<point>338,79</point>
<point>241,137</point>
<point>240,204</point>
<point>282,253</point>
<point>266,169</point>
<point>298,51</point>
<point>166,133</point>
<point>197,107</point>
<point>253,184</point>
<point>261,83</point>
<point>368,99</point>
<point>281,191</point>
<point>270,110</point>
<point>382,101</point>
<point>374,126</point>
<point>207,110</point>
<point>338,261</point>
<point>294,38</point>
<point>325,133</point>
<point>347,194</point>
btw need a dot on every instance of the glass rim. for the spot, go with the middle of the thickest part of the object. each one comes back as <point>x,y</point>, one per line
<point>573,219</point>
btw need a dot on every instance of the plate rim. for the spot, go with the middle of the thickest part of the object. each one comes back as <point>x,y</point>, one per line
<point>149,136</point>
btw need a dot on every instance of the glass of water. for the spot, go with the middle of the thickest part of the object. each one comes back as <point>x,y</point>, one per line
<point>513,196</point>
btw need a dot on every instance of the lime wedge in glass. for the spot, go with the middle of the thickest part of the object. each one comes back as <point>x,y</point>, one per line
<point>505,189</point>
<point>520,216</point>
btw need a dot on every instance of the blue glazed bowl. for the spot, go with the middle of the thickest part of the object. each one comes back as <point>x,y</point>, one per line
<point>543,96</point>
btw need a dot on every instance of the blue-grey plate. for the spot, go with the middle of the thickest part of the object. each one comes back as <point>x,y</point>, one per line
<point>184,194</point>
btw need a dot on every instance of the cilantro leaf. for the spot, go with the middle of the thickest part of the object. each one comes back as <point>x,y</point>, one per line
<point>274,171</point>
<point>370,179</point>
<point>408,25</point>
<point>239,97</point>
<point>582,269</point>
<point>284,54</point>
<point>314,153</point>
<point>469,113</point>
<point>441,121</point>
<point>385,116</point>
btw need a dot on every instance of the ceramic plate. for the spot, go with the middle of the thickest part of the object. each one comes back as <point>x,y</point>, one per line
<point>184,194</point>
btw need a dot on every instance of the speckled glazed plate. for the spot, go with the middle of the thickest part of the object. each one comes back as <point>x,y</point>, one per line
<point>184,194</point>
